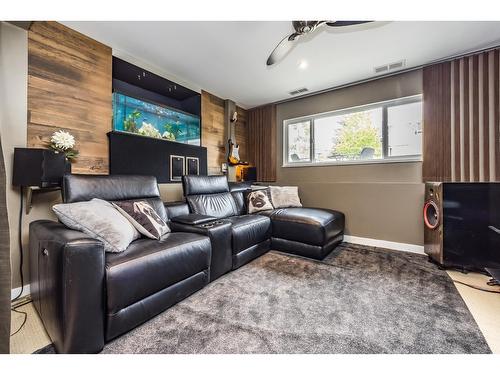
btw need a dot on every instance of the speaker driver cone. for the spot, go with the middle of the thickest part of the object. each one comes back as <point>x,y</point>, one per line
<point>431,214</point>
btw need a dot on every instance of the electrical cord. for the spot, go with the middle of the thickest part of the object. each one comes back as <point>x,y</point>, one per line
<point>21,262</point>
<point>24,320</point>
<point>476,287</point>
<point>20,239</point>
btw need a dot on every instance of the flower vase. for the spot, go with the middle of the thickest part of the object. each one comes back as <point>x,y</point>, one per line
<point>67,166</point>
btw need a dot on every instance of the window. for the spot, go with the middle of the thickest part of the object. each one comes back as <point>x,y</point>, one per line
<point>377,132</point>
<point>404,123</point>
<point>299,142</point>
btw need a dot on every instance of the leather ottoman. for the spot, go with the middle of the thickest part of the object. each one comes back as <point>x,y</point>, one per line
<point>309,232</point>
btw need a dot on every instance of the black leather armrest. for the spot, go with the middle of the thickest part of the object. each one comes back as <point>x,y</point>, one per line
<point>220,239</point>
<point>193,219</point>
<point>176,209</point>
<point>67,286</point>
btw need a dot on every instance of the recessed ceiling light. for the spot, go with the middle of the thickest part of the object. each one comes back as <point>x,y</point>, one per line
<point>303,64</point>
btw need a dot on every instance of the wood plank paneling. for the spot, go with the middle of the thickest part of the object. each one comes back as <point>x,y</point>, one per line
<point>262,141</point>
<point>69,87</point>
<point>212,131</point>
<point>241,131</point>
<point>486,121</point>
<point>456,115</point>
<point>437,119</point>
<point>465,105</point>
<point>467,98</point>
<point>214,134</point>
<point>475,117</point>
<point>496,100</point>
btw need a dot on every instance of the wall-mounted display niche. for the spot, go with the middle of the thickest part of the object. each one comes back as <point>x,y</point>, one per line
<point>148,119</point>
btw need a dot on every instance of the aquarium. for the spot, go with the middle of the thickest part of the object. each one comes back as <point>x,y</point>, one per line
<point>137,116</point>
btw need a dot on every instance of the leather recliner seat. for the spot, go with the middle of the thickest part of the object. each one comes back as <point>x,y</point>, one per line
<point>85,296</point>
<point>142,281</point>
<point>210,196</point>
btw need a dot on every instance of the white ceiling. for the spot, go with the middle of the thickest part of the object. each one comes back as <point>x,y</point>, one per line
<point>228,59</point>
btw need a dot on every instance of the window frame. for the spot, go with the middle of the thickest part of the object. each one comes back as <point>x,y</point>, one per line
<point>384,105</point>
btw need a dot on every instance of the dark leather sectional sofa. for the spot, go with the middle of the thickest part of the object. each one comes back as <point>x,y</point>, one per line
<point>86,297</point>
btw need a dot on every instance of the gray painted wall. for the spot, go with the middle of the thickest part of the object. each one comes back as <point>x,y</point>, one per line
<point>381,201</point>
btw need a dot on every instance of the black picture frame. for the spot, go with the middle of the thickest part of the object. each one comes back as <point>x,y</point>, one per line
<point>177,167</point>
<point>192,166</point>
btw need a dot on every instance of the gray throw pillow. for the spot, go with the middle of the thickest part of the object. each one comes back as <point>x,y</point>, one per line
<point>285,196</point>
<point>100,220</point>
<point>143,217</point>
<point>259,200</point>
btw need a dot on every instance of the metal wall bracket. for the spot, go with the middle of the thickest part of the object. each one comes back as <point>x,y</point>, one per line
<point>31,191</point>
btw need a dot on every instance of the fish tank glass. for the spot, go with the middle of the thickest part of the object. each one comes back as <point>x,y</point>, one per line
<point>140,117</point>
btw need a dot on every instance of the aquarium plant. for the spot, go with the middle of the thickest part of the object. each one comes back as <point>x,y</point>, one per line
<point>172,131</point>
<point>130,122</point>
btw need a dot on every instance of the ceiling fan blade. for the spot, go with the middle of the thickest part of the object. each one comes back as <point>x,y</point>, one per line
<point>282,48</point>
<point>345,23</point>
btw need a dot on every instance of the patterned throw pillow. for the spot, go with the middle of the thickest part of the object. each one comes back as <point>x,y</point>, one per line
<point>100,220</point>
<point>259,200</point>
<point>143,217</point>
<point>285,196</point>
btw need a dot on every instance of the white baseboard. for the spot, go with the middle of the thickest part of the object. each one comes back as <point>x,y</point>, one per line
<point>15,292</point>
<point>385,244</point>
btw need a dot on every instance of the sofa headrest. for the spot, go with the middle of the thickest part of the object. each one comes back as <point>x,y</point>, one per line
<point>78,188</point>
<point>235,187</point>
<point>197,185</point>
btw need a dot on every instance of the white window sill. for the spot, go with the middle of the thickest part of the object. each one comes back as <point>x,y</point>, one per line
<point>353,162</point>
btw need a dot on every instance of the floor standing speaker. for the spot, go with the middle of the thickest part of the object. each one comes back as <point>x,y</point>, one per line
<point>462,224</point>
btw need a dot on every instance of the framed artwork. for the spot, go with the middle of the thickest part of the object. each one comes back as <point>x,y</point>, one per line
<point>176,167</point>
<point>192,165</point>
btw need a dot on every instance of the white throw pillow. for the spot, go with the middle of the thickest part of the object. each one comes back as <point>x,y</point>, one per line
<point>100,220</point>
<point>285,196</point>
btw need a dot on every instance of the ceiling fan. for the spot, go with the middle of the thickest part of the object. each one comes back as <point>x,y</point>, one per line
<point>302,28</point>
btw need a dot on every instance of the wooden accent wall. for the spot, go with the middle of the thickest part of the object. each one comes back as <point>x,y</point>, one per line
<point>213,132</point>
<point>262,141</point>
<point>436,97</point>
<point>69,87</point>
<point>462,119</point>
<point>241,131</point>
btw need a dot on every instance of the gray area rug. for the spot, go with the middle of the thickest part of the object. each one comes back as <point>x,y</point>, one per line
<point>357,300</point>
